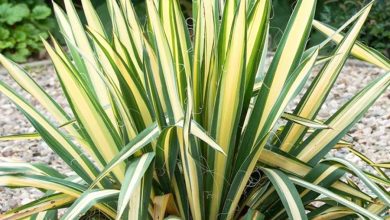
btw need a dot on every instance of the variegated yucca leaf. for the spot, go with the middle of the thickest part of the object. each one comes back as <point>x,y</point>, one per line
<point>87,200</point>
<point>180,118</point>
<point>40,208</point>
<point>316,94</point>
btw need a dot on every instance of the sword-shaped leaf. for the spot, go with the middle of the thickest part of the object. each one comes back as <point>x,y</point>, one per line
<point>289,164</point>
<point>131,87</point>
<point>286,60</point>
<point>334,196</point>
<point>287,193</point>
<point>135,172</point>
<point>168,74</point>
<point>88,199</point>
<point>293,86</point>
<point>359,50</point>
<point>29,136</point>
<point>320,142</point>
<point>384,196</point>
<point>28,84</point>
<point>229,100</point>
<point>38,206</point>
<point>76,35</point>
<point>316,94</point>
<point>89,114</point>
<point>141,140</point>
<point>58,142</point>
<point>304,121</point>
<point>30,168</point>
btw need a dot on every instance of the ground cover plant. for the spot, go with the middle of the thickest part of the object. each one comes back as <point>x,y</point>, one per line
<point>22,24</point>
<point>169,122</point>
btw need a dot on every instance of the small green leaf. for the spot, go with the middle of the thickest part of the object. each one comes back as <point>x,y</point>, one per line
<point>4,33</point>
<point>19,36</point>
<point>6,44</point>
<point>16,13</point>
<point>40,12</point>
<point>4,7</point>
<point>20,55</point>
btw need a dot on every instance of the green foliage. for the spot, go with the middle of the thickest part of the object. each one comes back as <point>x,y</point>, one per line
<point>22,24</point>
<point>377,31</point>
<point>169,122</point>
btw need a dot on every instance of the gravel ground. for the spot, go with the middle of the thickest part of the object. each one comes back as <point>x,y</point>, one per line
<point>370,136</point>
<point>13,122</point>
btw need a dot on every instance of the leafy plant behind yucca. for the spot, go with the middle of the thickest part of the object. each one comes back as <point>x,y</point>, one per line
<point>171,123</point>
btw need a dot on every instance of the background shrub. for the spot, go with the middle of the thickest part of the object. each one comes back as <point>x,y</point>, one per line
<point>22,24</point>
<point>376,32</point>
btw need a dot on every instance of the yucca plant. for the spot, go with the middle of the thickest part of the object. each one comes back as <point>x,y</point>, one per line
<point>176,123</point>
